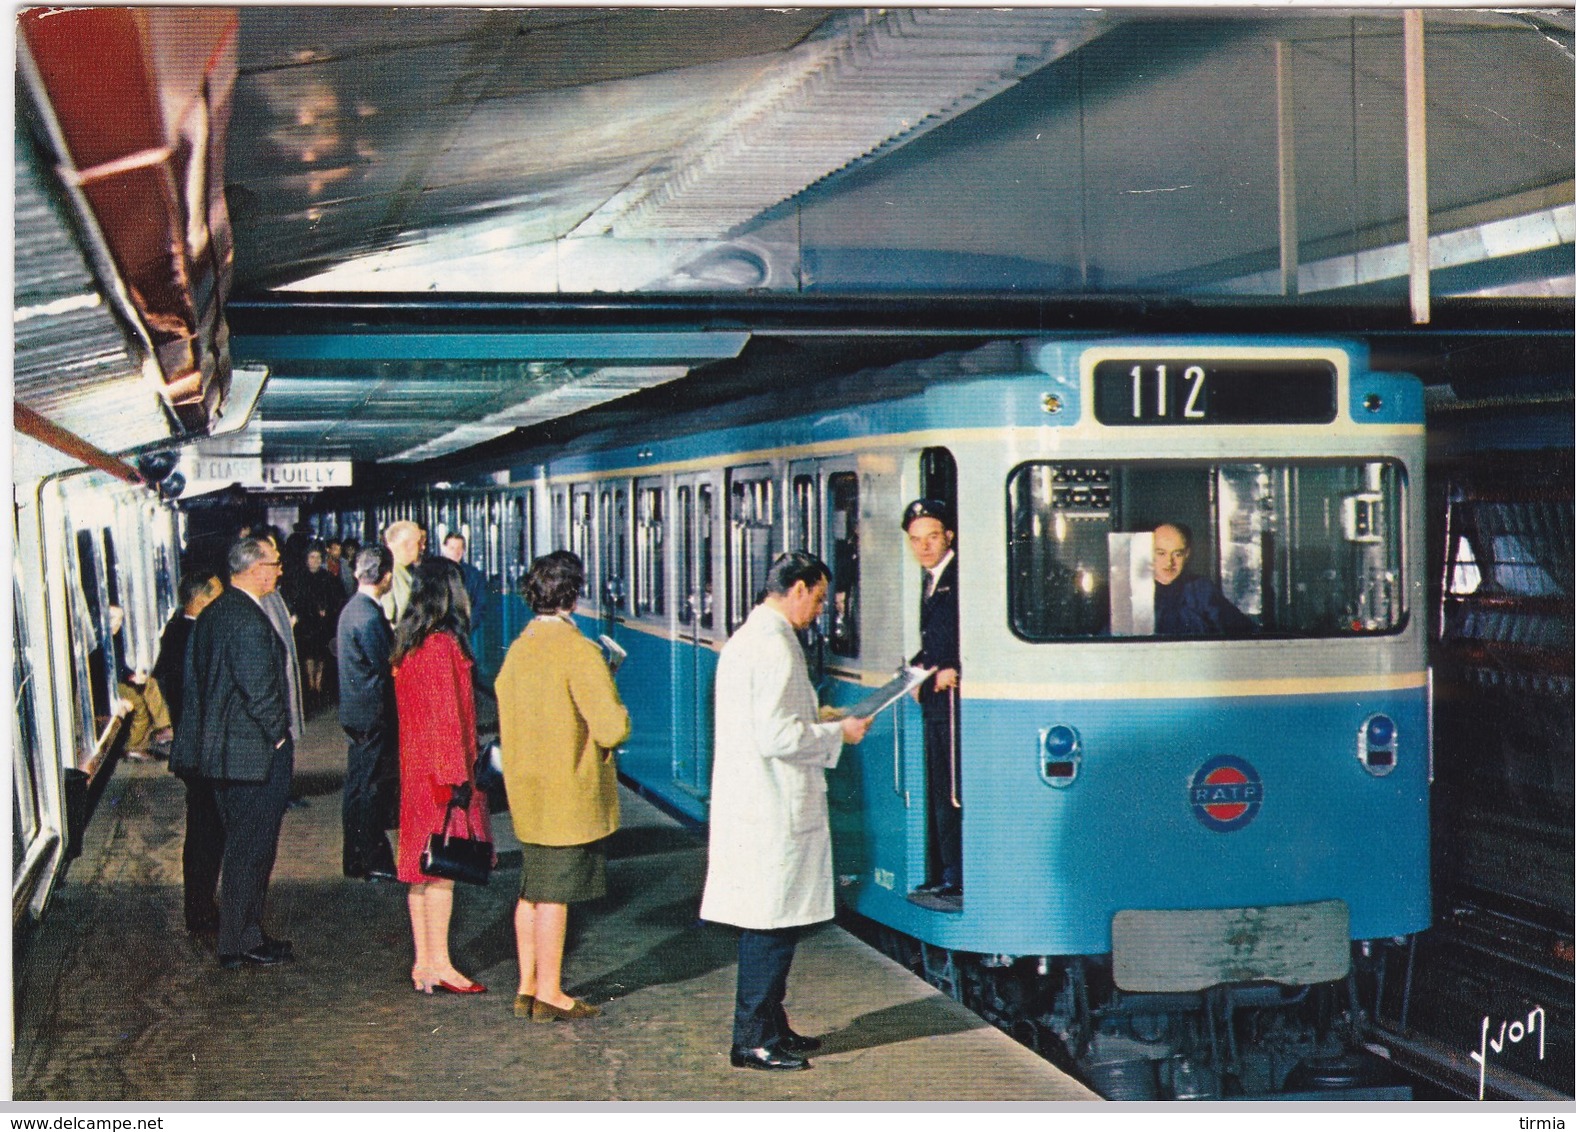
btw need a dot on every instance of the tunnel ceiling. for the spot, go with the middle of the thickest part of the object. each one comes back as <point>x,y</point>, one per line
<point>794,152</point>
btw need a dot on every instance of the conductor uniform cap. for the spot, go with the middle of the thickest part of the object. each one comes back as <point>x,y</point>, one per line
<point>928,509</point>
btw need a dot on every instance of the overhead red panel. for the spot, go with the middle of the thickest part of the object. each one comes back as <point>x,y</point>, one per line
<point>142,99</point>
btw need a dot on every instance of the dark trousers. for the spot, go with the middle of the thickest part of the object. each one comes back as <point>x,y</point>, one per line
<point>944,820</point>
<point>202,852</point>
<point>367,771</point>
<point>764,958</point>
<point>252,813</point>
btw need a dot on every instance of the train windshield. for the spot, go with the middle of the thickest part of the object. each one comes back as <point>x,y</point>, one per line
<point>1169,549</point>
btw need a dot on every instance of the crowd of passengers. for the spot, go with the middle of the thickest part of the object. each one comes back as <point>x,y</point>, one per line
<point>252,650</point>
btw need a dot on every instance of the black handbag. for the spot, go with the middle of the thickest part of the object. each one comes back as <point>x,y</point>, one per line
<point>465,859</point>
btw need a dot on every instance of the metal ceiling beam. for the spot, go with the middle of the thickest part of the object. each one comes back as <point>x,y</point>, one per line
<point>41,429</point>
<point>477,346</point>
<point>935,315</point>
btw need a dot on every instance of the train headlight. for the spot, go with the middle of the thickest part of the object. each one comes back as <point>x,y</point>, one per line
<point>1061,754</point>
<point>1376,744</point>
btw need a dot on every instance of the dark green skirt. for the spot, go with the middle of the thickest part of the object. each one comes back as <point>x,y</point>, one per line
<point>563,874</point>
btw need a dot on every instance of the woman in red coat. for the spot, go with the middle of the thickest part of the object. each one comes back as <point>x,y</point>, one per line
<point>437,754</point>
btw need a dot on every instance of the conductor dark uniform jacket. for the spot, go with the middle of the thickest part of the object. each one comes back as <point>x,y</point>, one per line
<point>938,638</point>
<point>236,712</point>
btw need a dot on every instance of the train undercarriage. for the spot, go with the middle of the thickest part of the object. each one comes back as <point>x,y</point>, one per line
<point>1234,1041</point>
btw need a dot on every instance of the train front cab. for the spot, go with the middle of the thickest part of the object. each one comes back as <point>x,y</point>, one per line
<point>1203,810</point>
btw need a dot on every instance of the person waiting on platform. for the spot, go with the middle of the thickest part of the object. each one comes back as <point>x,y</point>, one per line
<point>366,712</point>
<point>315,598</point>
<point>408,543</point>
<point>559,720</point>
<point>1185,604</point>
<point>437,753</point>
<point>148,728</point>
<point>203,848</point>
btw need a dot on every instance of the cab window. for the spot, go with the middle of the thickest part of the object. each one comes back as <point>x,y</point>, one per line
<point>1274,548</point>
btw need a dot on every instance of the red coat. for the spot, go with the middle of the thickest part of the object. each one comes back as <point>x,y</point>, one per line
<point>437,746</point>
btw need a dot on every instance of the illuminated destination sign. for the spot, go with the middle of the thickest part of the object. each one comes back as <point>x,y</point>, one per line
<point>1183,391</point>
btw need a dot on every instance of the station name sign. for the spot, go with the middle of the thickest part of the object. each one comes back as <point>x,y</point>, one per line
<point>206,473</point>
<point>305,475</point>
<point>1192,391</point>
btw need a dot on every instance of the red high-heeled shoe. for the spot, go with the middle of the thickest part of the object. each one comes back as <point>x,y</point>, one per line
<point>474,988</point>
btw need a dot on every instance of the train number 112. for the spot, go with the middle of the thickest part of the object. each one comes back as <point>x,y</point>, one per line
<point>1166,396</point>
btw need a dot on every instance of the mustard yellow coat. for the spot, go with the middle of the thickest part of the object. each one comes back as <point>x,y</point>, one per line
<point>559,718</point>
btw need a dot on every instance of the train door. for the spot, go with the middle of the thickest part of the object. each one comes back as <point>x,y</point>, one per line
<point>933,748</point>
<point>694,656</point>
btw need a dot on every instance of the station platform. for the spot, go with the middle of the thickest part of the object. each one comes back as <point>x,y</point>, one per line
<point>115,1002</point>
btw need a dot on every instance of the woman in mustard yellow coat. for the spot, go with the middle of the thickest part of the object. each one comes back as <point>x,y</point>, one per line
<point>559,719</point>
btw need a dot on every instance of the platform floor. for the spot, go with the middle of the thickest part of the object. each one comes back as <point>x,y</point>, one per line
<point>114,1002</point>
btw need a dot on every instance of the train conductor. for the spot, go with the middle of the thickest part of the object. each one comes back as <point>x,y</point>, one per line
<point>931,534</point>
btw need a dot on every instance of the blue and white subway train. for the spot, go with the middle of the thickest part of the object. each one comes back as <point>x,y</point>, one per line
<point>1180,854</point>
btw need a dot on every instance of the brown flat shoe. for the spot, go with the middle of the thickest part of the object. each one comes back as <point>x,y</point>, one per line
<point>547,1012</point>
<point>523,1004</point>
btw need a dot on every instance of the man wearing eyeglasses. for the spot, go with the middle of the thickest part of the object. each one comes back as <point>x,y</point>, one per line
<point>235,733</point>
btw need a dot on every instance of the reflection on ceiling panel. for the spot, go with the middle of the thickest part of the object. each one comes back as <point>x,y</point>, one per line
<point>73,361</point>
<point>574,395</point>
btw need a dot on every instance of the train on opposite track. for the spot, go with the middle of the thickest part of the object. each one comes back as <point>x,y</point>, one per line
<point>96,558</point>
<point>1187,860</point>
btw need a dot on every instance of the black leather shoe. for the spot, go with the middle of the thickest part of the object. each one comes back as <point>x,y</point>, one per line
<point>765,1057</point>
<point>791,1042</point>
<point>260,956</point>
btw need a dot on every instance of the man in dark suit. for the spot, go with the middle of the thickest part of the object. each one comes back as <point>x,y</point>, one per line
<point>928,524</point>
<point>366,712</point>
<point>236,733</point>
<point>201,853</point>
<point>475,587</point>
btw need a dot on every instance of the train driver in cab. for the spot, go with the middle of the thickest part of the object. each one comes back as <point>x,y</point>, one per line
<point>931,533</point>
<point>1187,605</point>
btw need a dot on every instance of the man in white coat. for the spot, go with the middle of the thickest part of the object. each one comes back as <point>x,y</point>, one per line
<point>770,862</point>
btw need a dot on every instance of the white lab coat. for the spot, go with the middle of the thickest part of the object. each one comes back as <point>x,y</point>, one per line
<point>770,861</point>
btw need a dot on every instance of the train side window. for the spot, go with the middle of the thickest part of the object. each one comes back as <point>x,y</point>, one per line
<point>92,634</point>
<point>684,508</point>
<point>752,539</point>
<point>516,557</point>
<point>705,507</point>
<point>580,529</point>
<point>842,494</point>
<point>604,542</point>
<point>616,557</point>
<point>1283,548</point>
<point>802,536</point>
<point>25,811</point>
<point>560,508</point>
<point>650,553</point>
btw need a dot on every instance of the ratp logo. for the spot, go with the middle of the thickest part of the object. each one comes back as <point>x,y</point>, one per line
<point>1225,793</point>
